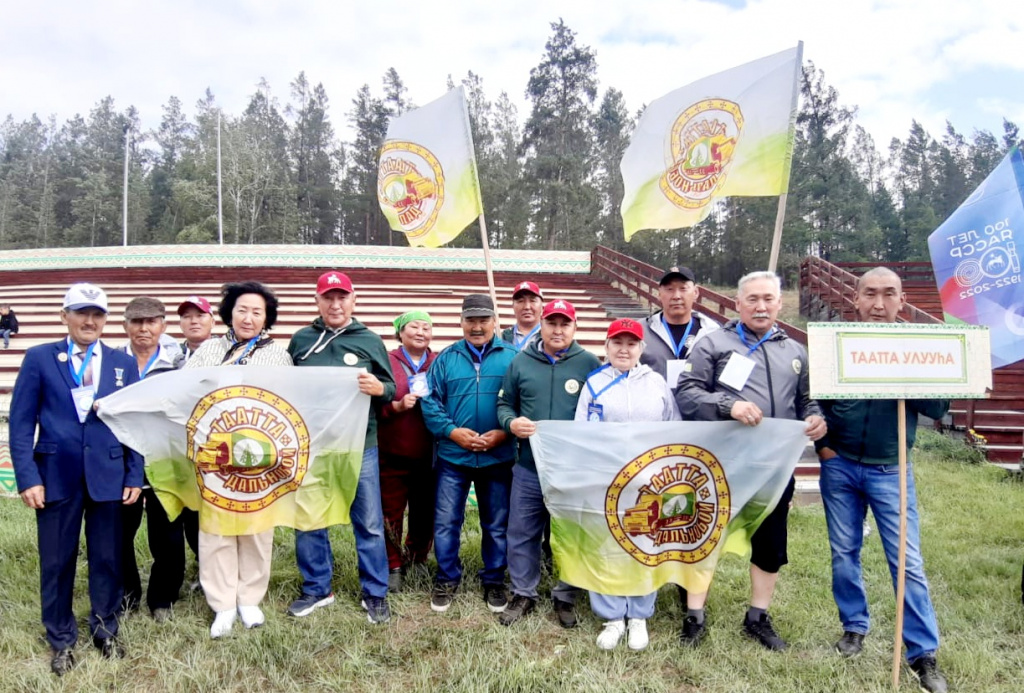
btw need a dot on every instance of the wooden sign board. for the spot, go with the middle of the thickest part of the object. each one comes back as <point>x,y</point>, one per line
<point>867,360</point>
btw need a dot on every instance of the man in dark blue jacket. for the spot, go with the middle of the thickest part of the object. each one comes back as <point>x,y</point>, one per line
<point>76,468</point>
<point>461,412</point>
<point>859,464</point>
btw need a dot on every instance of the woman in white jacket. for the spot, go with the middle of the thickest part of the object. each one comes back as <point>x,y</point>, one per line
<point>624,390</point>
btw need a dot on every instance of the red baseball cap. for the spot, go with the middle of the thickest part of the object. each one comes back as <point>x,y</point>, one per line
<point>333,280</point>
<point>559,307</point>
<point>526,286</point>
<point>626,326</point>
<point>197,301</point>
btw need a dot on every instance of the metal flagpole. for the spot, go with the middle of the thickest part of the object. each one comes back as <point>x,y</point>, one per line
<point>220,206</point>
<point>124,196</point>
<point>490,270</point>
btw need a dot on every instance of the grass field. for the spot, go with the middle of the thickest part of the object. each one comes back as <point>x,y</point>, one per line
<point>972,526</point>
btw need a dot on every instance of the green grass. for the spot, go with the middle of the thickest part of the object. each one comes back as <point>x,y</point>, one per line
<point>972,526</point>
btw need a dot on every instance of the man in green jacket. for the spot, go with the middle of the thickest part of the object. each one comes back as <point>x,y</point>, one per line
<point>337,339</point>
<point>859,463</point>
<point>543,383</point>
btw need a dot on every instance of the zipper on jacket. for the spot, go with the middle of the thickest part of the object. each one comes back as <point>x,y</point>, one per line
<point>768,370</point>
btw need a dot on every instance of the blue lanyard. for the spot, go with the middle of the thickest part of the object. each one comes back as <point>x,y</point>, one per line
<point>248,349</point>
<point>417,365</point>
<point>613,383</point>
<point>519,343</point>
<point>77,376</point>
<point>677,347</point>
<point>149,364</point>
<point>479,352</point>
<point>743,338</point>
<point>553,359</point>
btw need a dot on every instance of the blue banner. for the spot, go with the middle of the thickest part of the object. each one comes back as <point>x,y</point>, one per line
<point>977,264</point>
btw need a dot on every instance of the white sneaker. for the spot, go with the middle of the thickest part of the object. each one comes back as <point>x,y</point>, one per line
<point>611,634</point>
<point>252,616</point>
<point>222,623</point>
<point>636,637</point>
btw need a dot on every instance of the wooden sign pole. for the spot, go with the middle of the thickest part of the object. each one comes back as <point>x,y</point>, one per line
<point>901,571</point>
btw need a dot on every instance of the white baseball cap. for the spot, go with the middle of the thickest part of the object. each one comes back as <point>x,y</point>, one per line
<point>82,296</point>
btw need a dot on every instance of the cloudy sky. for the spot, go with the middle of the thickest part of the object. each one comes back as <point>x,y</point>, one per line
<point>896,60</point>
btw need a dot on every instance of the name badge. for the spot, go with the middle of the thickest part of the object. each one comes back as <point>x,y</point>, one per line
<point>737,371</point>
<point>83,398</point>
<point>418,385</point>
<point>595,412</point>
<point>675,368</point>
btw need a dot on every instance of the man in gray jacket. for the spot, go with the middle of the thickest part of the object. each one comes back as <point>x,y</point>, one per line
<point>746,371</point>
<point>670,334</point>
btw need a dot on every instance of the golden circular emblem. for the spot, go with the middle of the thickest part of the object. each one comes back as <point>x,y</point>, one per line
<point>410,186</point>
<point>350,359</point>
<point>249,446</point>
<point>670,503</point>
<point>572,386</point>
<point>703,138</point>
<point>62,357</point>
<point>797,366</point>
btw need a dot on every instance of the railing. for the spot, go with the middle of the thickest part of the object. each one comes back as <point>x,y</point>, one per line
<point>836,286</point>
<point>917,272</point>
<point>640,280</point>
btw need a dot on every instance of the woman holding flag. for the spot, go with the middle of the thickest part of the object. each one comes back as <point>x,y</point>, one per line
<point>235,570</point>
<point>407,450</point>
<point>624,390</point>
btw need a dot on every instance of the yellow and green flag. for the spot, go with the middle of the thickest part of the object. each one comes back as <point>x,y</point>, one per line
<point>730,134</point>
<point>635,506</point>
<point>249,448</point>
<point>427,182</point>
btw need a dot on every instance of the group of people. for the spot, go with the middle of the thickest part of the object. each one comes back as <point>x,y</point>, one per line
<point>439,423</point>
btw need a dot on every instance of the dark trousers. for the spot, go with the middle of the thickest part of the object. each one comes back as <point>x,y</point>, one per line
<point>167,546</point>
<point>406,481</point>
<point>59,526</point>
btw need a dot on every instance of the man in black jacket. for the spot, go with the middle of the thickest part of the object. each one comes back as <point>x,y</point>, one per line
<point>859,464</point>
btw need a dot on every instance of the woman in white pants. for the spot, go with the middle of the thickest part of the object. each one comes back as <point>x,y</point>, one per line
<point>235,570</point>
<point>624,390</point>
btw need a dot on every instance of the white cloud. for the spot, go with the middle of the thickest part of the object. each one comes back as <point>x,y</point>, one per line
<point>886,56</point>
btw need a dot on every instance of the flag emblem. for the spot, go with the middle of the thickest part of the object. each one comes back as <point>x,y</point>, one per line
<point>411,183</point>
<point>250,447</point>
<point>670,503</point>
<point>704,139</point>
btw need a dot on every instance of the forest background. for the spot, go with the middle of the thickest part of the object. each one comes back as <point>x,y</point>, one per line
<point>550,181</point>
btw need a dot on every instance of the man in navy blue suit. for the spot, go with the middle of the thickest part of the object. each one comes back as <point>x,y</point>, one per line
<point>76,468</point>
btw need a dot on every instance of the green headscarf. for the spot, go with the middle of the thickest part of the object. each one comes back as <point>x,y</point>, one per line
<point>405,318</point>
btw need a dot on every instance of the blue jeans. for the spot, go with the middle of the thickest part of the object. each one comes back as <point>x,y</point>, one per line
<point>610,608</point>
<point>847,489</point>
<point>527,518</point>
<point>313,548</point>
<point>493,487</point>
<point>6,334</point>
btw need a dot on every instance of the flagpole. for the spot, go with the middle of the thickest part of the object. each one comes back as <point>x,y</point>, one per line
<point>490,270</point>
<point>780,216</point>
<point>901,563</point>
<point>220,206</point>
<point>124,195</point>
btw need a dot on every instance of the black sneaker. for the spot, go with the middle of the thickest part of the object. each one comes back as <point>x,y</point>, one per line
<point>395,580</point>
<point>496,598</point>
<point>926,669</point>
<point>442,596</point>
<point>307,604</point>
<point>692,632</point>
<point>519,607</point>
<point>377,609</point>
<point>566,614</point>
<point>763,631</point>
<point>850,644</point>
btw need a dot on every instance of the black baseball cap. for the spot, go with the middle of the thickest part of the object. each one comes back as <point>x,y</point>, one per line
<point>684,273</point>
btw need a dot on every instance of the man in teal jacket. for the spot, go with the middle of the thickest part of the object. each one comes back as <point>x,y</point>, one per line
<point>461,412</point>
<point>337,339</point>
<point>543,383</point>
